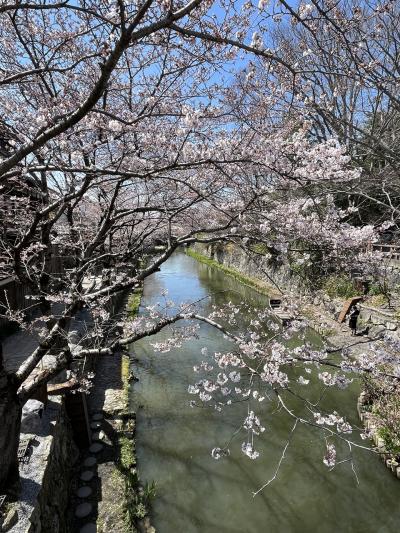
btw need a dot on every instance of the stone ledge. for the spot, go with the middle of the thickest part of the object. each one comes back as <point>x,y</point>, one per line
<point>368,421</point>
<point>45,477</point>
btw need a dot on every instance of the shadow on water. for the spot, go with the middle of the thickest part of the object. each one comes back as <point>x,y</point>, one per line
<point>197,494</point>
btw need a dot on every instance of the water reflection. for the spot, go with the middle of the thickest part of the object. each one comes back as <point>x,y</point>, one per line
<point>197,493</point>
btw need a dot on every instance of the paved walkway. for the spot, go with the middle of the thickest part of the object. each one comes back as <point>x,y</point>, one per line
<point>17,348</point>
<point>20,345</point>
<point>108,395</point>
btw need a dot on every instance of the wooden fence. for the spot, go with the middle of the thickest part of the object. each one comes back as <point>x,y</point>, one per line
<point>391,251</point>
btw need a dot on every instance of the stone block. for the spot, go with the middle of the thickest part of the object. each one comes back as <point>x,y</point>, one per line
<point>95,447</point>
<point>87,475</point>
<point>32,412</point>
<point>84,492</point>
<point>90,461</point>
<point>83,510</point>
<point>377,320</point>
<point>380,443</point>
<point>88,528</point>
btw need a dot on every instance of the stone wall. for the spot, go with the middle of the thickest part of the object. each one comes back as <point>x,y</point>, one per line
<point>255,266</point>
<point>282,279</point>
<point>46,476</point>
<point>49,514</point>
<point>368,419</point>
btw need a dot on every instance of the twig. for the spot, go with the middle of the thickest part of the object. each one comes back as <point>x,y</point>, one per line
<point>280,460</point>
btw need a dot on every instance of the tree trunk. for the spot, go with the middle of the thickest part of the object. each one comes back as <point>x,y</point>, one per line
<point>10,420</point>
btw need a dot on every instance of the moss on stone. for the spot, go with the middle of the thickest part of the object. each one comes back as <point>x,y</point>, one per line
<point>133,503</point>
<point>125,366</point>
<point>136,501</point>
<point>112,514</point>
<point>127,457</point>
<point>133,303</point>
<point>125,376</point>
<point>256,284</point>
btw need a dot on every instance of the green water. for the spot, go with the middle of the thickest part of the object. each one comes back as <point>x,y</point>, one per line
<point>196,493</point>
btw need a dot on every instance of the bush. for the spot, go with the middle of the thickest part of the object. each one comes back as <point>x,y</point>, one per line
<point>386,409</point>
<point>374,289</point>
<point>339,287</point>
<point>392,442</point>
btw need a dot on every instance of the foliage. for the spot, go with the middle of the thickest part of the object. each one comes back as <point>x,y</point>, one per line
<point>140,510</point>
<point>337,286</point>
<point>384,400</point>
<point>127,452</point>
<point>149,491</point>
<point>391,438</point>
<point>374,289</point>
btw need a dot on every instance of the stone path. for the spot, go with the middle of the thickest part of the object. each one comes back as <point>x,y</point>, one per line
<point>339,334</point>
<point>108,393</point>
<point>20,345</point>
<point>98,501</point>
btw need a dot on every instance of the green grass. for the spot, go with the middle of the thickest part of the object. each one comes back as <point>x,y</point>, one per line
<point>377,300</point>
<point>257,284</point>
<point>126,452</point>
<point>133,303</point>
<point>339,286</point>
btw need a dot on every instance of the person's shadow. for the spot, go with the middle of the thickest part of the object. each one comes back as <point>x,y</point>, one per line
<point>364,332</point>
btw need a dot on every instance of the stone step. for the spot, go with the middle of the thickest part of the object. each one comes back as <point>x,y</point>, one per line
<point>83,510</point>
<point>90,461</point>
<point>84,492</point>
<point>87,475</point>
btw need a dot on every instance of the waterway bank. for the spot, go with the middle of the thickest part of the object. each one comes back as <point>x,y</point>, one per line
<point>321,315</point>
<point>196,493</point>
<point>322,318</point>
<point>255,283</point>
<point>106,492</point>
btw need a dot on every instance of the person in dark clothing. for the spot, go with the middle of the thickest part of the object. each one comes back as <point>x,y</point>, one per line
<point>354,313</point>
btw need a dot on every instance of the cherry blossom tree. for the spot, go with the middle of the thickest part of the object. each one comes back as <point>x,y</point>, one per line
<point>127,124</point>
<point>340,76</point>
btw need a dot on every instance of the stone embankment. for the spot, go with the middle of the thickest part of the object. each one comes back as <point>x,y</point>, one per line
<point>318,307</point>
<point>97,484</point>
<point>369,421</point>
<point>45,472</point>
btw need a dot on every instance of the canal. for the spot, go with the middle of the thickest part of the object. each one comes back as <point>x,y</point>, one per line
<point>196,493</point>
